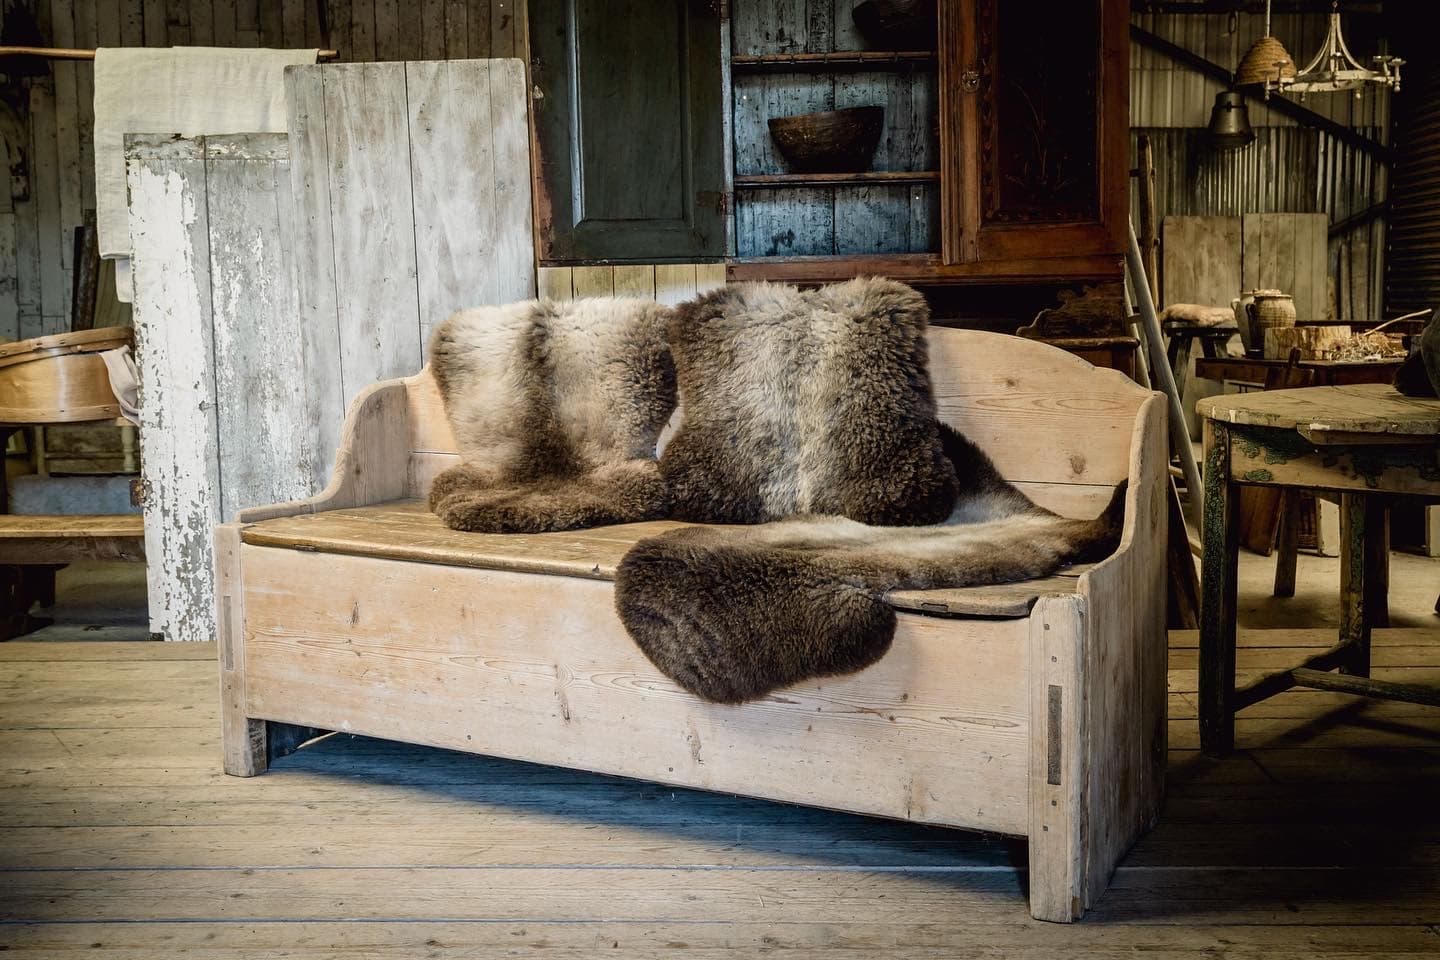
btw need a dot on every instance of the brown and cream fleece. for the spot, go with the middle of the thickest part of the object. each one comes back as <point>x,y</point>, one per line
<point>805,402</point>
<point>556,407</point>
<point>734,613</point>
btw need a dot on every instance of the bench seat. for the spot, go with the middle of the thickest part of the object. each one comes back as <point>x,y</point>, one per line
<point>407,530</point>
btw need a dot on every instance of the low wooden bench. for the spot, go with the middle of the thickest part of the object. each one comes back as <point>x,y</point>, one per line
<point>1033,709</point>
<point>32,548</point>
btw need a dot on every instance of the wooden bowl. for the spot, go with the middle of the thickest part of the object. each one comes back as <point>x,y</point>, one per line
<point>60,378</point>
<point>897,24</point>
<point>832,141</point>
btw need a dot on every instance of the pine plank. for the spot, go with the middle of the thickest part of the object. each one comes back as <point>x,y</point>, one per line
<point>933,940</point>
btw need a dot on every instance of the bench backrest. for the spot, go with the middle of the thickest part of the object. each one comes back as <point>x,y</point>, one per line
<point>1053,423</point>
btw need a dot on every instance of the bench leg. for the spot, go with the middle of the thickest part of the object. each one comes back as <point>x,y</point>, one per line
<point>1057,768</point>
<point>248,745</point>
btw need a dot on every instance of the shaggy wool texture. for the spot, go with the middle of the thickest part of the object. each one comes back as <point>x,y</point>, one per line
<point>806,402</point>
<point>733,614</point>
<point>555,407</point>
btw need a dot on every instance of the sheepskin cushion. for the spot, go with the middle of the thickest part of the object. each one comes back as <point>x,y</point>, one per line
<point>805,402</point>
<point>555,407</point>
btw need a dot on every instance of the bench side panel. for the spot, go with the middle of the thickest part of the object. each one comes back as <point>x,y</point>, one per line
<point>540,668</point>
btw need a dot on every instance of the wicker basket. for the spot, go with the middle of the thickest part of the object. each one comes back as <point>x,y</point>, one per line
<point>60,378</point>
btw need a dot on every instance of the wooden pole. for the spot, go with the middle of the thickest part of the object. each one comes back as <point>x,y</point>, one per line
<point>1149,241</point>
<point>1160,371</point>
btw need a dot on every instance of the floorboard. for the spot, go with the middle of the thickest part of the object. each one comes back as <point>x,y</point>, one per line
<point>119,837</point>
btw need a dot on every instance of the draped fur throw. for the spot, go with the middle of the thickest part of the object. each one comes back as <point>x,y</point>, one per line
<point>555,407</point>
<point>817,406</point>
<point>811,409</point>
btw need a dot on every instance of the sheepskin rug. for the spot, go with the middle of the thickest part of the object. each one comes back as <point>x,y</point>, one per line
<point>734,613</point>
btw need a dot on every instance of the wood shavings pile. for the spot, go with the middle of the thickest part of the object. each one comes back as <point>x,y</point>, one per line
<point>1366,346</point>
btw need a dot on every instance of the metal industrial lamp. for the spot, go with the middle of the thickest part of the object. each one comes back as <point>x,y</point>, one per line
<point>1230,121</point>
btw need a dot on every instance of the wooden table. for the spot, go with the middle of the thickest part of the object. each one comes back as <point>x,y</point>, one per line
<point>1366,442</point>
<point>1252,370</point>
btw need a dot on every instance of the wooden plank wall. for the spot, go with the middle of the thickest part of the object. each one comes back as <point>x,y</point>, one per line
<point>1210,260</point>
<point>847,220</point>
<point>665,282</point>
<point>412,191</point>
<point>37,234</point>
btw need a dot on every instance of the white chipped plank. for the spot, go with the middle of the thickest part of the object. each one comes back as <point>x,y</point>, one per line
<point>168,224</point>
<point>366,121</point>
<point>266,445</point>
<point>314,264</point>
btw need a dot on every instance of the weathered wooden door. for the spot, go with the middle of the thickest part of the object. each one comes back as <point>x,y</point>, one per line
<point>628,122</point>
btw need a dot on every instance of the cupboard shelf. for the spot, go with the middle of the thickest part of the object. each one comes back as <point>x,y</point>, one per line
<point>880,177</point>
<point>843,59</point>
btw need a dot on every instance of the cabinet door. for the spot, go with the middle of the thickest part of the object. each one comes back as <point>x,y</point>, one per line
<point>628,125</point>
<point>1039,111</point>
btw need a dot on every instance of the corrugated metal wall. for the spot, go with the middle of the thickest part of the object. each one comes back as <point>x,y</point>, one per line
<point>1413,282</point>
<point>1289,168</point>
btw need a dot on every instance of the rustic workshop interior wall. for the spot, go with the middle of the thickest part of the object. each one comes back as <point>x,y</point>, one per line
<point>1290,168</point>
<point>50,115</point>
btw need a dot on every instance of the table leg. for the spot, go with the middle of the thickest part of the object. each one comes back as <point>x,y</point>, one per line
<point>1219,565</point>
<point>1287,544</point>
<point>1364,575</point>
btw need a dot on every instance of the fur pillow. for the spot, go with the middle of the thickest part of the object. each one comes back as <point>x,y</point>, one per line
<point>806,402</point>
<point>556,407</point>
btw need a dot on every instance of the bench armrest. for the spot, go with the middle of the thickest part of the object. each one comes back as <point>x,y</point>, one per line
<point>372,464</point>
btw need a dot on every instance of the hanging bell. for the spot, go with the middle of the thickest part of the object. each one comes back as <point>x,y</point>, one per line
<point>1230,121</point>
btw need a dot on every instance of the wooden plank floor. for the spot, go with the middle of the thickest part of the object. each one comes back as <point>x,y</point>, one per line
<point>119,837</point>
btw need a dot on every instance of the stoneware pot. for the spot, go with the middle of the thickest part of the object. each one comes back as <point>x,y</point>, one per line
<point>1270,309</point>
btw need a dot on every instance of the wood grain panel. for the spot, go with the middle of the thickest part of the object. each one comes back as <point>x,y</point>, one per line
<point>542,669</point>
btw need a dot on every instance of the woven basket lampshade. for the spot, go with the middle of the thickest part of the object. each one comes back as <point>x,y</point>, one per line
<point>1267,59</point>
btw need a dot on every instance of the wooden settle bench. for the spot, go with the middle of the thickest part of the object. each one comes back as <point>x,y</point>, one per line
<point>1033,709</point>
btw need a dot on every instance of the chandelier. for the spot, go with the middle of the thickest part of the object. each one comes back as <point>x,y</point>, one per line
<point>1267,64</point>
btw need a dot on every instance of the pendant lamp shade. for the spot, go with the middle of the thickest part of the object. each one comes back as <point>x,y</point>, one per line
<point>1230,121</point>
